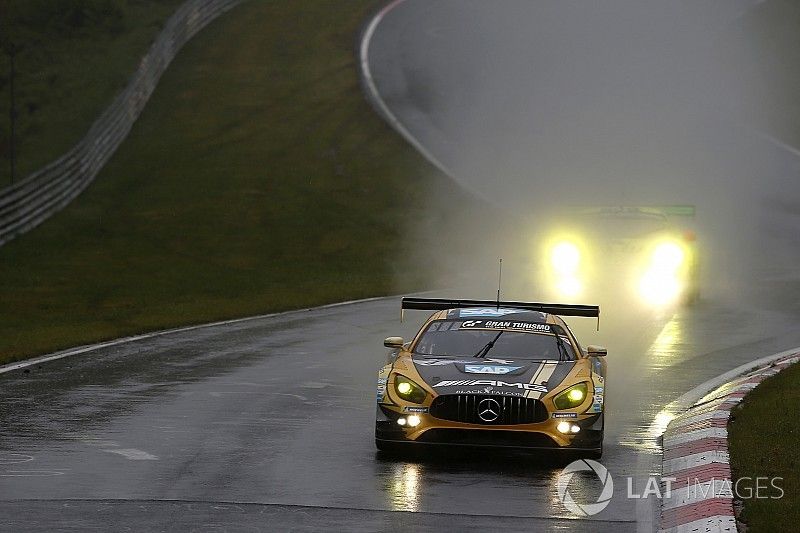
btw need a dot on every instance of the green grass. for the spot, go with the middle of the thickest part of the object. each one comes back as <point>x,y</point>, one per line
<point>258,179</point>
<point>74,57</point>
<point>763,436</point>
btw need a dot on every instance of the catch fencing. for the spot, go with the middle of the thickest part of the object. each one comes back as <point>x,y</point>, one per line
<point>29,202</point>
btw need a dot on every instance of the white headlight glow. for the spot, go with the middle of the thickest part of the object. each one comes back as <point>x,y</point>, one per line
<point>668,256</point>
<point>565,257</point>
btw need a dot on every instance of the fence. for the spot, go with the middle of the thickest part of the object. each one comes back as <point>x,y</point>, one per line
<point>29,202</point>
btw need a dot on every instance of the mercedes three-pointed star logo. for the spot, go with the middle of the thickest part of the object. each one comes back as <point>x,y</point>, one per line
<point>488,410</point>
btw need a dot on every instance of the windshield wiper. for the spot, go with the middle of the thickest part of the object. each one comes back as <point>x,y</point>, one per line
<point>489,345</point>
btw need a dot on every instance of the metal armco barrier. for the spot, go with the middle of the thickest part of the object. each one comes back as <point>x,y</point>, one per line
<point>29,202</point>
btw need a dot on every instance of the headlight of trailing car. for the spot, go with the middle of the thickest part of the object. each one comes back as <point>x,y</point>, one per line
<point>668,256</point>
<point>565,257</point>
<point>408,390</point>
<point>572,397</point>
<point>663,280</point>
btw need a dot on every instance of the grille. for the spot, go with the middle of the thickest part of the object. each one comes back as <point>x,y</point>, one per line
<point>465,408</point>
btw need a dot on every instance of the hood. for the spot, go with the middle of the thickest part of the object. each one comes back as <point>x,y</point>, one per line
<point>504,377</point>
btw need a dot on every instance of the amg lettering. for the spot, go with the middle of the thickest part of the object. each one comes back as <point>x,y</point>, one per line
<point>491,383</point>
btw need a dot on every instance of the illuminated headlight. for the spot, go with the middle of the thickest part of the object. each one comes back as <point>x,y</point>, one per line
<point>566,427</point>
<point>661,283</point>
<point>565,258</point>
<point>408,390</point>
<point>569,286</point>
<point>414,421</point>
<point>668,256</point>
<point>572,397</point>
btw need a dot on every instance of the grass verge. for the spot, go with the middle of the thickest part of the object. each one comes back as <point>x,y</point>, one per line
<point>73,57</point>
<point>257,179</point>
<point>763,435</point>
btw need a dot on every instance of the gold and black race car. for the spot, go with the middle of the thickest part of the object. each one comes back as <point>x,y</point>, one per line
<point>498,374</point>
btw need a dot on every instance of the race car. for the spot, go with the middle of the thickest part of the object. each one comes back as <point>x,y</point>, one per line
<point>638,251</point>
<point>493,374</point>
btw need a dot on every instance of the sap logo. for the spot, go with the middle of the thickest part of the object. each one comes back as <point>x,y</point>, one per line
<point>487,312</point>
<point>489,369</point>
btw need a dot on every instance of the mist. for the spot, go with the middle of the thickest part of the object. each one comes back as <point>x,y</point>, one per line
<point>537,106</point>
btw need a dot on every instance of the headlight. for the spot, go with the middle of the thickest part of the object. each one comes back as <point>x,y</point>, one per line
<point>565,257</point>
<point>572,397</point>
<point>569,286</point>
<point>408,390</point>
<point>668,256</point>
<point>662,282</point>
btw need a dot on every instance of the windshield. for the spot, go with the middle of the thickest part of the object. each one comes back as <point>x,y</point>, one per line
<point>463,338</point>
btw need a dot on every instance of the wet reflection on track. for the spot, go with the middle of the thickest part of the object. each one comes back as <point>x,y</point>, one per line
<point>412,479</point>
<point>280,412</point>
<point>403,487</point>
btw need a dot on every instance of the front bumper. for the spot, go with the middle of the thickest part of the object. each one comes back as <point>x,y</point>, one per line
<point>539,436</point>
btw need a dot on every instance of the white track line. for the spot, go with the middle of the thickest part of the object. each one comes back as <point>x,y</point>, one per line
<point>92,347</point>
<point>376,97</point>
<point>685,401</point>
<point>390,117</point>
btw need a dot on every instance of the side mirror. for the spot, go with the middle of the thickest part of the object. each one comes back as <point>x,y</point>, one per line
<point>596,351</point>
<point>393,342</point>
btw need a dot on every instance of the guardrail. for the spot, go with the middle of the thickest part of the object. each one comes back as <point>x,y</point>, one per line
<point>29,202</point>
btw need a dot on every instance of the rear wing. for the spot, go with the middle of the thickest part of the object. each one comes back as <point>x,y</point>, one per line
<point>667,210</point>
<point>440,304</point>
<point>677,210</point>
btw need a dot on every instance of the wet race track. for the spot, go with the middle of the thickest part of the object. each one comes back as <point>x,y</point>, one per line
<point>267,424</point>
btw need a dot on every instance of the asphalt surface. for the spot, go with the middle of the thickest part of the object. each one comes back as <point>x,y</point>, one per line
<point>267,424</point>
